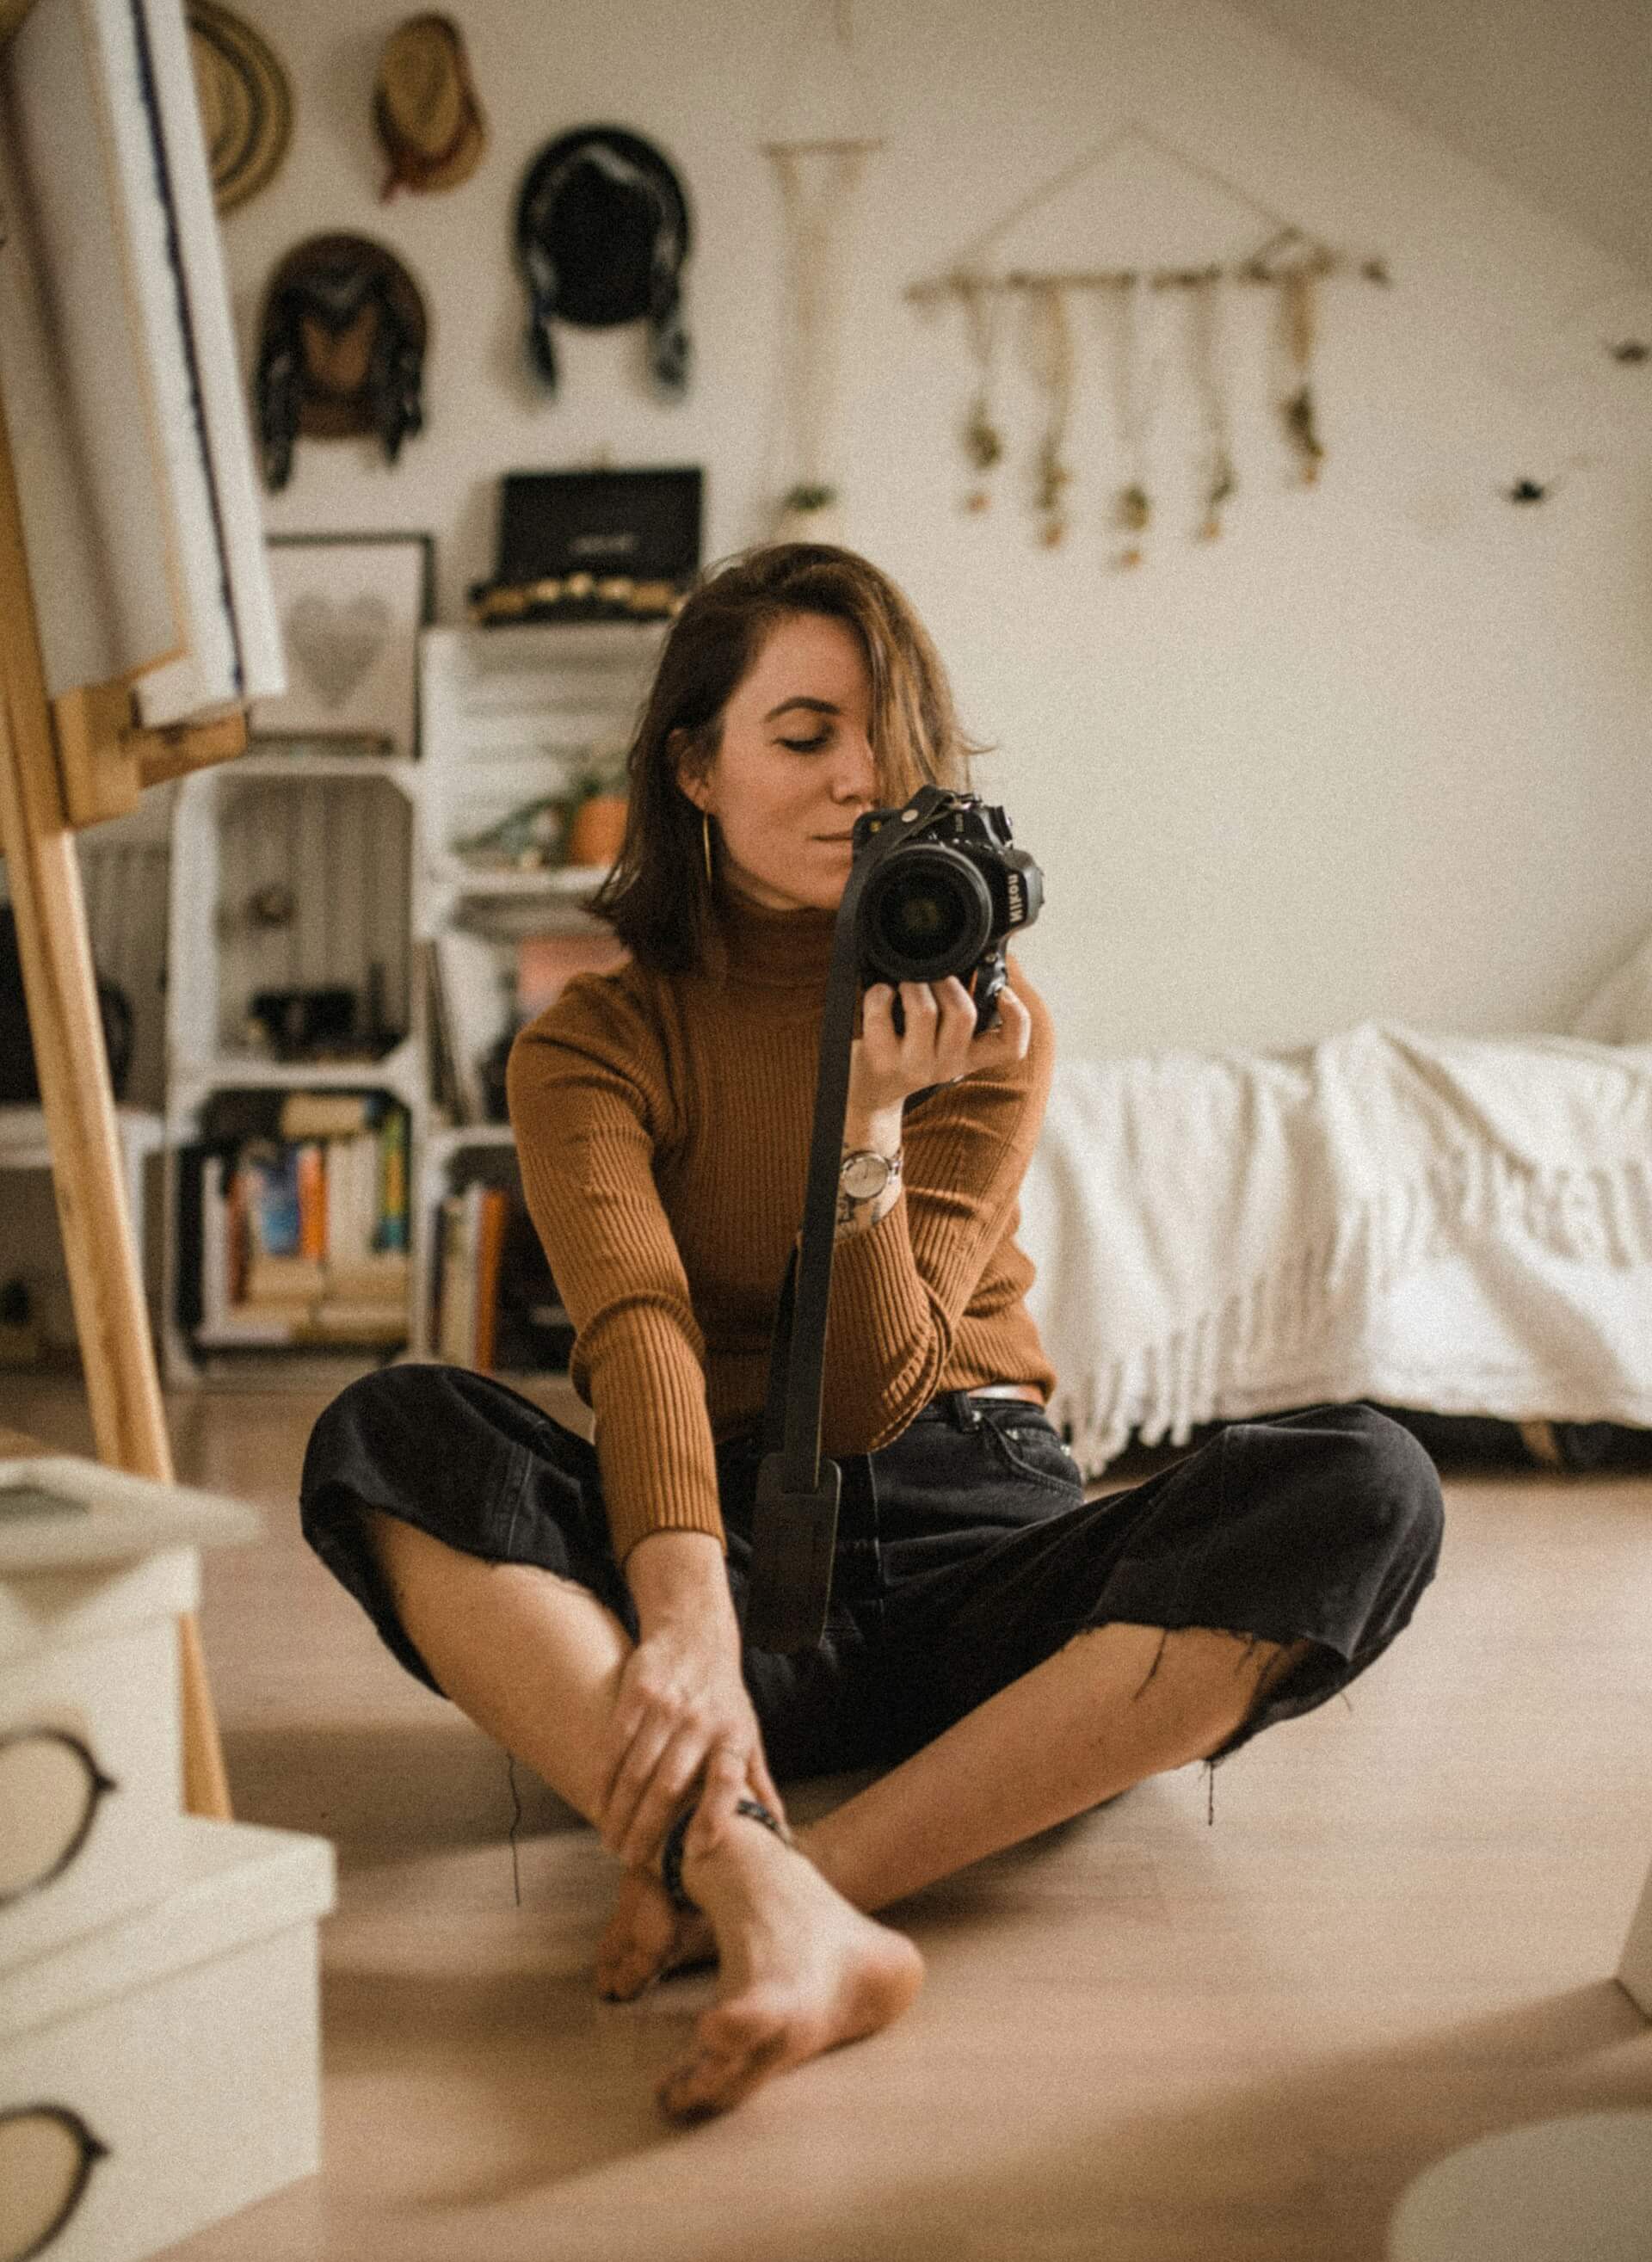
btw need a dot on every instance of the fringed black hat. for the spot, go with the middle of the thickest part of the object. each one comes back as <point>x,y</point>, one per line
<point>602,233</point>
<point>340,351</point>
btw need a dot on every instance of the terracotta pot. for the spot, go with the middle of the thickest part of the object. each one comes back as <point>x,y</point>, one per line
<point>596,829</point>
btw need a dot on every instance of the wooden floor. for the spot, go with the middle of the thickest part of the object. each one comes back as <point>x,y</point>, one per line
<point>1143,2037</point>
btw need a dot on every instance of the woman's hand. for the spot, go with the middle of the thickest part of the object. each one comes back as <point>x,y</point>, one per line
<point>682,1718</point>
<point>938,1044</point>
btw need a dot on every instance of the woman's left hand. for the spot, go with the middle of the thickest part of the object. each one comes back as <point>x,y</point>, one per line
<point>938,1044</point>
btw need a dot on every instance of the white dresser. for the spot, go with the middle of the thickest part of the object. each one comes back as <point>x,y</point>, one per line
<point>159,2019</point>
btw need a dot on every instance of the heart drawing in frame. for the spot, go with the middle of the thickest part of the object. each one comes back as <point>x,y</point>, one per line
<point>336,643</point>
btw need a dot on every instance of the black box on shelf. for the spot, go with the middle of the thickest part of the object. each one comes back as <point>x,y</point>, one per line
<point>593,545</point>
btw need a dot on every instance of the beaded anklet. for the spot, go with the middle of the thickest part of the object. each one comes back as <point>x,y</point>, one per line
<point>671,1851</point>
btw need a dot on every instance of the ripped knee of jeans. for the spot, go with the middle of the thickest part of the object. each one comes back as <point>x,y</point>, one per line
<point>1282,1660</point>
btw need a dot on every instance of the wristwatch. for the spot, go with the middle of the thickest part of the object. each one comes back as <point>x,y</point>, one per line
<point>866,1173</point>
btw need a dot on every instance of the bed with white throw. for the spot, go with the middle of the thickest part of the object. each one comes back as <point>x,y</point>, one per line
<point>1460,1225</point>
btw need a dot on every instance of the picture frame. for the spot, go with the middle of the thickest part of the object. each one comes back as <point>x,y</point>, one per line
<point>350,608</point>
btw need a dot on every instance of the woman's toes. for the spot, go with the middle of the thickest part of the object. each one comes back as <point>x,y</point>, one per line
<point>620,1978</point>
<point>639,1938</point>
<point>645,1938</point>
<point>719,2075</point>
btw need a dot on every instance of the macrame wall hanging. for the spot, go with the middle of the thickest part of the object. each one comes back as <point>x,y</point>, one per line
<point>819,166</point>
<point>818,182</point>
<point>1044,308</point>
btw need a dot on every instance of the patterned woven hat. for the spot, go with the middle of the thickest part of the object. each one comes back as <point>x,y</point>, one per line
<point>341,350</point>
<point>246,104</point>
<point>602,233</point>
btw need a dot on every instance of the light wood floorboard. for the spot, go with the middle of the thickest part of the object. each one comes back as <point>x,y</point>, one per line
<point>1143,2037</point>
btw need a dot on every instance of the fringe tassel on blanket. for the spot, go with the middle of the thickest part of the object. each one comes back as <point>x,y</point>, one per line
<point>1295,1332</point>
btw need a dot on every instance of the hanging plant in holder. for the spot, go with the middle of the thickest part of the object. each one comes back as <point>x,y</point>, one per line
<point>817,181</point>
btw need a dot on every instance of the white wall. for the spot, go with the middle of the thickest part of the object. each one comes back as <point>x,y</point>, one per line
<point>1553,100</point>
<point>1381,751</point>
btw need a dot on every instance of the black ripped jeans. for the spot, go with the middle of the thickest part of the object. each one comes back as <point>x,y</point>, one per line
<point>966,1555</point>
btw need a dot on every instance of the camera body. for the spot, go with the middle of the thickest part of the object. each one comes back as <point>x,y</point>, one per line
<point>945,890</point>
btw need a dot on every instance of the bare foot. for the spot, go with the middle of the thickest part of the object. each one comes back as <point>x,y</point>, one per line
<point>801,1971</point>
<point>646,1938</point>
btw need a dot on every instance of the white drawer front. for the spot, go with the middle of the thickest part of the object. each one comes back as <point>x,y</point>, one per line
<point>117,1698</point>
<point>203,2087</point>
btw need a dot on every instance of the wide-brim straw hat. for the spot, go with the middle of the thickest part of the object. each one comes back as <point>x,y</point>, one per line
<point>246,102</point>
<point>425,107</point>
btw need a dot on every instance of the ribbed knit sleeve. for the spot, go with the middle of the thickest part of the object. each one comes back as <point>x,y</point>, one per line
<point>900,1290</point>
<point>590,1102</point>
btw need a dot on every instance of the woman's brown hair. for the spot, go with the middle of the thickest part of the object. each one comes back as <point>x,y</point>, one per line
<point>659,898</point>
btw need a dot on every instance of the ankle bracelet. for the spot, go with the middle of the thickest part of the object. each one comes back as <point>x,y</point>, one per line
<point>671,1851</point>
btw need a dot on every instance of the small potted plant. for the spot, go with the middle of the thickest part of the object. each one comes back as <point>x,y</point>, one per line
<point>595,809</point>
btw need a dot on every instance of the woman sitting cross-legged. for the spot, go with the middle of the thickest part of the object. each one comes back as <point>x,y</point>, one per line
<point>1005,1653</point>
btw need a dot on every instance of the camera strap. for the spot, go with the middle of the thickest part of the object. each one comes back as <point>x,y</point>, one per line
<point>795,1517</point>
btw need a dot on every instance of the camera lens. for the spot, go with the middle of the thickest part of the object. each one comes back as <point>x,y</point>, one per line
<point>923,920</point>
<point>926,915</point>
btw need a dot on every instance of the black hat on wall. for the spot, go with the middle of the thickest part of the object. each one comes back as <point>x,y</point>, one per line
<point>341,350</point>
<point>602,233</point>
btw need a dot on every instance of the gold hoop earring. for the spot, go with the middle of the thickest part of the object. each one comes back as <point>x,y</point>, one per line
<point>706,843</point>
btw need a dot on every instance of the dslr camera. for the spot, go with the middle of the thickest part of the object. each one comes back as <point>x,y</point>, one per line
<point>944,891</point>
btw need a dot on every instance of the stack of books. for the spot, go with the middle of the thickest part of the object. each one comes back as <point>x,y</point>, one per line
<point>497,1307</point>
<point>473,1239</point>
<point>302,1236</point>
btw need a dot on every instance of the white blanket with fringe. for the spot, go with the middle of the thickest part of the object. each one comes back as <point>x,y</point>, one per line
<point>1460,1225</point>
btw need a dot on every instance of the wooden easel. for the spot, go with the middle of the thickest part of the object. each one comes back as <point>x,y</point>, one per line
<point>65,763</point>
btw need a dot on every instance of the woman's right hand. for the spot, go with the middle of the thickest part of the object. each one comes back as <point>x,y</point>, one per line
<point>936,1044</point>
<point>681,1716</point>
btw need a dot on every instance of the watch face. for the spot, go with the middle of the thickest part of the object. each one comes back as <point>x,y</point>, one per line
<point>865,1175</point>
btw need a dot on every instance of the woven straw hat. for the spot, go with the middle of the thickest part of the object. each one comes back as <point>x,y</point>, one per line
<point>425,107</point>
<point>246,102</point>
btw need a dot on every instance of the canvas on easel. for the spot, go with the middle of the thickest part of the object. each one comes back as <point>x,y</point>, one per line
<point>136,617</point>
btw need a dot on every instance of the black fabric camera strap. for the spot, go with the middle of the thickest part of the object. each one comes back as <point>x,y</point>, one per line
<point>796,1515</point>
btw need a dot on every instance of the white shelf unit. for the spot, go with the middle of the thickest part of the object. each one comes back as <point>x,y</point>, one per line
<point>341,833</point>
<point>367,846</point>
<point>507,716</point>
<point>510,714</point>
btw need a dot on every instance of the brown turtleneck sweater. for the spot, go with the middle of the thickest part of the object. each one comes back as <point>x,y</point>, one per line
<point>662,1123</point>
